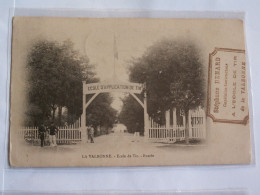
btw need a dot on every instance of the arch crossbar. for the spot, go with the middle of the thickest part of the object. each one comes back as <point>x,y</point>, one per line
<point>91,100</point>
<point>137,99</point>
<point>97,88</point>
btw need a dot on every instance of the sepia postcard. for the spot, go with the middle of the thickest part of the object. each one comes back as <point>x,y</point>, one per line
<point>128,92</point>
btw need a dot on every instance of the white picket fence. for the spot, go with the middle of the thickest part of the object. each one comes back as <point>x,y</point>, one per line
<point>197,124</point>
<point>72,134</point>
<point>174,132</point>
<point>161,133</point>
<point>66,135</point>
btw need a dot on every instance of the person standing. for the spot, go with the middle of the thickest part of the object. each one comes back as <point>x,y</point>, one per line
<point>42,131</point>
<point>91,134</point>
<point>52,136</point>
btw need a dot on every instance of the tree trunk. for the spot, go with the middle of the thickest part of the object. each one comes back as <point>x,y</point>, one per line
<point>187,141</point>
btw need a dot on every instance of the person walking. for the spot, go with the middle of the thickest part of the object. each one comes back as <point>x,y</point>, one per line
<point>91,134</point>
<point>52,136</point>
<point>42,131</point>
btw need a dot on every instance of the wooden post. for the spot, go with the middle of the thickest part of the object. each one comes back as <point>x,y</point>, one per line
<point>174,119</point>
<point>146,118</point>
<point>167,125</point>
<point>183,119</point>
<point>190,127</point>
<point>83,116</point>
<point>167,119</point>
<point>186,126</point>
<point>204,124</point>
<point>174,125</point>
<point>83,129</point>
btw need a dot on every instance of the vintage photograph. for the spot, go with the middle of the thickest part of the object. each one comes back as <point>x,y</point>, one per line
<point>128,92</point>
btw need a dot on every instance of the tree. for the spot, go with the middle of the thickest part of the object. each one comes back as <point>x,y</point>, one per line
<point>100,113</point>
<point>55,79</point>
<point>173,73</point>
<point>132,115</point>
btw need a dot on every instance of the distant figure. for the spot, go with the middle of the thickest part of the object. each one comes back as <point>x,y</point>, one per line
<point>42,131</point>
<point>91,134</point>
<point>52,137</point>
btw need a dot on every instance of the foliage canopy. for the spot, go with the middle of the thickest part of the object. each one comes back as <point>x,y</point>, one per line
<point>174,77</point>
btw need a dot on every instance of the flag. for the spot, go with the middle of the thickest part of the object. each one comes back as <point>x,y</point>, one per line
<point>115,49</point>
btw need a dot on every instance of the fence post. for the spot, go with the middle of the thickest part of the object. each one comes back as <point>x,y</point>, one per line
<point>167,125</point>
<point>167,119</point>
<point>183,120</point>
<point>174,118</point>
<point>190,127</point>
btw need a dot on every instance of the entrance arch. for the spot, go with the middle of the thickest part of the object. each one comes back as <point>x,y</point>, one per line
<point>106,87</point>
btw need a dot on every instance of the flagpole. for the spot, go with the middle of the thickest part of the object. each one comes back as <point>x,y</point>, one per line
<point>114,75</point>
<point>115,57</point>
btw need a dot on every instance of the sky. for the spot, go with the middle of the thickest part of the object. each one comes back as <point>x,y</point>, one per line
<point>117,58</point>
<point>95,38</point>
